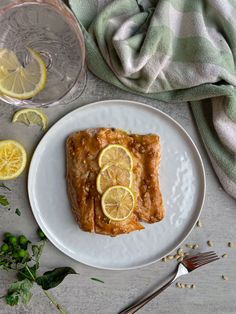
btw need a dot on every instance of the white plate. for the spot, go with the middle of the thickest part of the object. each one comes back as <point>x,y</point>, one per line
<point>182,182</point>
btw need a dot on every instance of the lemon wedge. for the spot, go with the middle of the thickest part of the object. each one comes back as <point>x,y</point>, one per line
<point>117,155</point>
<point>21,82</point>
<point>118,203</point>
<point>31,117</point>
<point>111,176</point>
<point>12,159</point>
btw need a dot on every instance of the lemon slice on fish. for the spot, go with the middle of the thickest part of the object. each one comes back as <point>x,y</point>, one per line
<point>111,176</point>
<point>18,81</point>
<point>117,155</point>
<point>118,203</point>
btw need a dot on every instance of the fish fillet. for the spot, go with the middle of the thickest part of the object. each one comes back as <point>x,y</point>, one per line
<point>82,150</point>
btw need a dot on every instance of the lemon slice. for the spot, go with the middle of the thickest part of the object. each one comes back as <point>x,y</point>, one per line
<point>117,203</point>
<point>113,175</point>
<point>21,82</point>
<point>31,117</point>
<point>117,155</point>
<point>12,159</point>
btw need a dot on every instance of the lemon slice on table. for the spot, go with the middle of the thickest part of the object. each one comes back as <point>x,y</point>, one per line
<point>12,159</point>
<point>111,176</point>
<point>21,82</point>
<point>118,203</point>
<point>31,117</point>
<point>117,155</point>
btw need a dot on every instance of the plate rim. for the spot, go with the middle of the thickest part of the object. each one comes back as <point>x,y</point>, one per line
<point>30,177</point>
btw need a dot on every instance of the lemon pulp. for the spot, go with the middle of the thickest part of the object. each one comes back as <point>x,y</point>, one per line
<point>111,176</point>
<point>118,203</point>
<point>117,155</point>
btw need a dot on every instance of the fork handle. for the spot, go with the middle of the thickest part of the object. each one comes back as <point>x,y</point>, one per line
<point>138,305</point>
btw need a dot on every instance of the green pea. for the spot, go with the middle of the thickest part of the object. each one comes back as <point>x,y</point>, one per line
<point>22,240</point>
<point>12,240</point>
<point>5,248</point>
<point>21,253</point>
<point>41,234</point>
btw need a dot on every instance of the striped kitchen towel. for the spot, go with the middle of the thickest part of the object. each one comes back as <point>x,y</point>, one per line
<point>172,50</point>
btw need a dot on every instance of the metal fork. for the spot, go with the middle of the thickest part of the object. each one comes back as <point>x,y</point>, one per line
<point>186,266</point>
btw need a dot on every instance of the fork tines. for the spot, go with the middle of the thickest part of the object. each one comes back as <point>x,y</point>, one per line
<point>200,259</point>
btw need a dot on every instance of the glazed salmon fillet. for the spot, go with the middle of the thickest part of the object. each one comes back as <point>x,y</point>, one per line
<point>82,151</point>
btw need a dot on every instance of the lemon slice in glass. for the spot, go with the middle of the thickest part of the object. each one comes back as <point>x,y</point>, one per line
<point>118,203</point>
<point>31,117</point>
<point>113,175</point>
<point>12,159</point>
<point>21,82</point>
<point>117,155</point>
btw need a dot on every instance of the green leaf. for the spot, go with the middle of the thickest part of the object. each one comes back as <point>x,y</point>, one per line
<point>12,299</point>
<point>19,291</point>
<point>96,279</point>
<point>41,235</point>
<point>3,186</point>
<point>3,200</point>
<point>24,273</point>
<point>18,212</point>
<point>37,251</point>
<point>53,278</point>
<point>25,259</point>
<point>4,264</point>
<point>23,285</point>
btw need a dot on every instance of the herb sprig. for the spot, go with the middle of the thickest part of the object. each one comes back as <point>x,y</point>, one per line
<point>20,255</point>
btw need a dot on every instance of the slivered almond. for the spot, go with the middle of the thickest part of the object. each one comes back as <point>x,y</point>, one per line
<point>180,251</point>
<point>210,243</point>
<point>199,223</point>
<point>189,245</point>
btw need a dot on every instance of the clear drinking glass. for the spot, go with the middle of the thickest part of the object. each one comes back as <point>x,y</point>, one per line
<point>51,29</point>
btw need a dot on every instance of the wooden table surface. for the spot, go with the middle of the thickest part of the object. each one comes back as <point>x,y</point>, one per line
<point>79,294</point>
